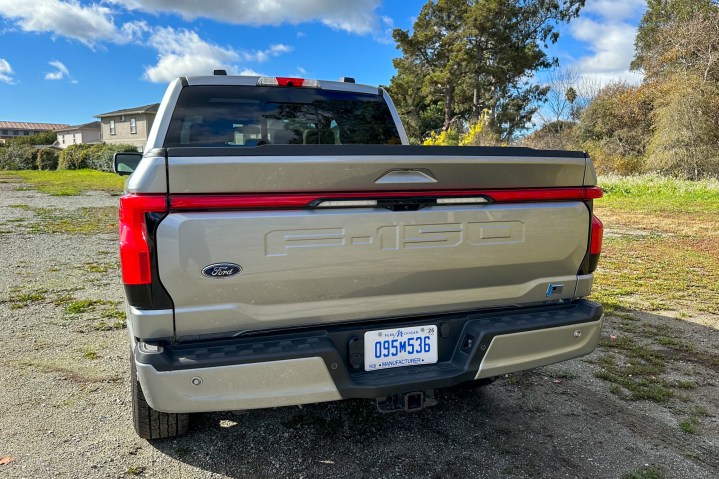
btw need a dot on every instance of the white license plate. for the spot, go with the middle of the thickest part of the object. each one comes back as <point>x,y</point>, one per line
<point>393,348</point>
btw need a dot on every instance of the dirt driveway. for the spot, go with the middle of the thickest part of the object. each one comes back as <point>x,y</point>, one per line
<point>645,405</point>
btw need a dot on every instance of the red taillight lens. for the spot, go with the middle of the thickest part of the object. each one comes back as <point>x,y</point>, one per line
<point>595,244</point>
<point>303,200</point>
<point>288,81</point>
<point>134,249</point>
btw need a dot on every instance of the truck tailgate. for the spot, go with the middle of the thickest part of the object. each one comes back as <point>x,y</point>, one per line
<point>313,266</point>
<point>310,267</point>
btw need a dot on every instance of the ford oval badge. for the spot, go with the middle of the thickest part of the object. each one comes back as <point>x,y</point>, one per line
<point>221,270</point>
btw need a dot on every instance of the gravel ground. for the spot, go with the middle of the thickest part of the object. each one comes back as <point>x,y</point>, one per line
<point>65,395</point>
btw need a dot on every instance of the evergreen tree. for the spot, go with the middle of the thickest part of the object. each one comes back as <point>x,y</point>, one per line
<point>467,56</point>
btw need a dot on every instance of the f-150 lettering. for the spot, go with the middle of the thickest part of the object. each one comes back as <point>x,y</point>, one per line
<point>394,237</point>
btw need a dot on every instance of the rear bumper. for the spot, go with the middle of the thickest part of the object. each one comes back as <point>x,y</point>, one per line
<point>317,365</point>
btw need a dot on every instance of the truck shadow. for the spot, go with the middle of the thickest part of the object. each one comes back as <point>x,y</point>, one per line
<point>348,438</point>
<point>548,422</point>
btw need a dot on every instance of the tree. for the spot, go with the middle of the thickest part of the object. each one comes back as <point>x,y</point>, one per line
<point>466,56</point>
<point>658,15</point>
<point>556,135</point>
<point>679,43</point>
<point>686,140</point>
<point>45,138</point>
<point>568,95</point>
<point>617,126</point>
<point>688,47</point>
<point>430,68</point>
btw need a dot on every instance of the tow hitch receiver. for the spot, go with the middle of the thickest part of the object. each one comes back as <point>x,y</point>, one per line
<point>409,402</point>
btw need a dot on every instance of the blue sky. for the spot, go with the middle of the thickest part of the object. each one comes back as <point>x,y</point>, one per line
<point>64,61</point>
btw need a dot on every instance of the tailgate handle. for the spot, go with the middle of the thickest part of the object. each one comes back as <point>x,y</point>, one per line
<point>406,176</point>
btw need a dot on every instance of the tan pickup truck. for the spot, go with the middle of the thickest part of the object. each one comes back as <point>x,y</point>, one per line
<point>282,244</point>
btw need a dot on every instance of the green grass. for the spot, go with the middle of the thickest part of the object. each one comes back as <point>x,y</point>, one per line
<point>112,319</point>
<point>658,193</point>
<point>89,353</point>
<point>71,182</point>
<point>22,300</point>
<point>82,306</point>
<point>688,426</point>
<point>637,373</point>
<point>644,473</point>
<point>82,221</point>
<point>659,249</point>
<point>135,470</point>
<point>692,423</point>
<point>99,267</point>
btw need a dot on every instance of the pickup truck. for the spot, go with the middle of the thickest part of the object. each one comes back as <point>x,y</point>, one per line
<point>281,243</point>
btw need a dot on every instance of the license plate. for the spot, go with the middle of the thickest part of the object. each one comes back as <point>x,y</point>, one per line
<point>393,348</point>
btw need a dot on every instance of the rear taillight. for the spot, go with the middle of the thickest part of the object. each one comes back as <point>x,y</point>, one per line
<point>364,199</point>
<point>595,243</point>
<point>134,247</point>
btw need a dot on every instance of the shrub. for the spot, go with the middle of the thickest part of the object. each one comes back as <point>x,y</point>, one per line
<point>47,159</point>
<point>476,134</point>
<point>16,156</point>
<point>557,135</point>
<point>616,127</point>
<point>99,157</point>
<point>45,138</point>
<point>73,157</point>
<point>606,160</point>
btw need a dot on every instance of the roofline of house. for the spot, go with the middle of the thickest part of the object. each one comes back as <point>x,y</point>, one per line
<point>131,111</point>
<point>84,126</point>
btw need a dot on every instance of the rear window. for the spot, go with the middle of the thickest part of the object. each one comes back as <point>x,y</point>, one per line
<point>253,116</point>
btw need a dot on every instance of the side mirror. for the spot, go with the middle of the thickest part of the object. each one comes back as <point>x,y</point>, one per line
<point>126,162</point>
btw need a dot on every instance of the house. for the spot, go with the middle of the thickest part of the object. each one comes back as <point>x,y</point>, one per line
<point>129,126</point>
<point>87,133</point>
<point>15,129</point>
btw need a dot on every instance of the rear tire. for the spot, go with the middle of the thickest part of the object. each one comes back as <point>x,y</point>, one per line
<point>150,423</point>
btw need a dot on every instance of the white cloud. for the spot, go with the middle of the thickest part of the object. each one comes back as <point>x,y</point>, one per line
<point>6,72</point>
<point>88,24</point>
<point>183,53</point>
<point>60,72</point>
<point>608,28</point>
<point>262,56</point>
<point>357,16</point>
<point>132,31</point>
<point>384,34</point>
<point>615,10</point>
<point>251,73</point>
<point>612,44</point>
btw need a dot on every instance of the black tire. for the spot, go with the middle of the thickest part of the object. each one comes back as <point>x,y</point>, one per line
<point>152,424</point>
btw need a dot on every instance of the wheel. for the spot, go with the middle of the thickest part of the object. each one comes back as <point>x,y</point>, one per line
<point>149,423</point>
